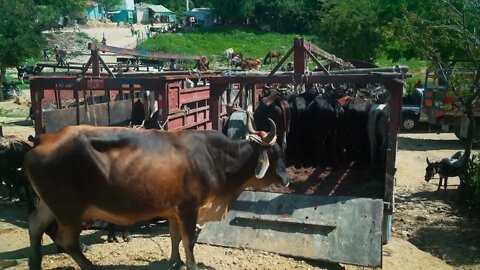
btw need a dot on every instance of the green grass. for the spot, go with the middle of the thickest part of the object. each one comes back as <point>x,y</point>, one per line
<point>213,42</point>
<point>252,44</point>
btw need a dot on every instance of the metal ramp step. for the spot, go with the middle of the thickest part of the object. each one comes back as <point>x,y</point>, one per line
<point>335,229</point>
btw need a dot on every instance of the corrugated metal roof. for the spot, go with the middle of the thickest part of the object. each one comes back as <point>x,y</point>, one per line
<point>154,8</point>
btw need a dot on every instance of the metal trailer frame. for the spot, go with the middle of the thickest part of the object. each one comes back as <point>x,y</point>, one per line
<point>110,99</point>
<point>392,78</point>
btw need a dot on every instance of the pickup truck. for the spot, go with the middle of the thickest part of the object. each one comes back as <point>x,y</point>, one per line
<point>412,109</point>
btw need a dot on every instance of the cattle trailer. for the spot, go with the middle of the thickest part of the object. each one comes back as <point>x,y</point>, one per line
<point>201,100</point>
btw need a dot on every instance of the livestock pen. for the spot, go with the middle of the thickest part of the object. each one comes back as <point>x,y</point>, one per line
<point>350,211</point>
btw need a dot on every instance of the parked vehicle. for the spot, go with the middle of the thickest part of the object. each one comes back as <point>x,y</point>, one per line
<point>412,109</point>
<point>439,106</point>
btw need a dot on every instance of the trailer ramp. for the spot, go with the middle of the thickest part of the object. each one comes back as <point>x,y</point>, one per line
<point>334,229</point>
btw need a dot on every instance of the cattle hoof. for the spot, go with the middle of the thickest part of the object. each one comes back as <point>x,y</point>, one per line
<point>180,265</point>
<point>112,240</point>
<point>127,238</point>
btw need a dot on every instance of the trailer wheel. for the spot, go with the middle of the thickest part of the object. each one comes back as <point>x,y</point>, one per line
<point>386,228</point>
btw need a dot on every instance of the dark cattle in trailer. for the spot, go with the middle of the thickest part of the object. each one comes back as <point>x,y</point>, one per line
<point>377,127</point>
<point>123,175</point>
<point>299,127</point>
<point>274,105</point>
<point>326,118</point>
<point>356,120</point>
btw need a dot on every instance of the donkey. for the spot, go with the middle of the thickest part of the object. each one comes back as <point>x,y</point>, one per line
<point>450,166</point>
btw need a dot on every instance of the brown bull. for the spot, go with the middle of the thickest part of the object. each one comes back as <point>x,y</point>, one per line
<point>122,176</point>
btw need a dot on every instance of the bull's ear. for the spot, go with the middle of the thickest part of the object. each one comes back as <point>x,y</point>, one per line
<point>262,165</point>
<point>428,161</point>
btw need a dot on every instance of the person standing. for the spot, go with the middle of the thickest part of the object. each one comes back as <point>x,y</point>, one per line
<point>45,53</point>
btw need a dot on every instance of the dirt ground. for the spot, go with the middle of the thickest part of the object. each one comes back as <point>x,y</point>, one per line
<point>429,231</point>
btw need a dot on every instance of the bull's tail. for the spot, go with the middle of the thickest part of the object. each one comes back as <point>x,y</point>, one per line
<point>267,59</point>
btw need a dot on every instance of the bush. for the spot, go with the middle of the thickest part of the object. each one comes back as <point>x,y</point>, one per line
<point>470,186</point>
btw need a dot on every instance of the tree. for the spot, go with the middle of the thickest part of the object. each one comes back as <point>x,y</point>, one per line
<point>20,33</point>
<point>287,16</point>
<point>447,30</point>
<point>107,4</point>
<point>350,28</point>
<point>64,7</point>
<point>234,11</point>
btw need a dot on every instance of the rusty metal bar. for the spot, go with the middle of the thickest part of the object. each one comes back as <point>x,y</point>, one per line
<point>284,59</point>
<point>317,62</point>
<point>216,92</point>
<point>1,131</point>
<point>341,78</point>
<point>106,67</point>
<point>395,87</point>
<point>299,63</point>
<point>95,63</point>
<point>155,55</point>
<point>328,56</point>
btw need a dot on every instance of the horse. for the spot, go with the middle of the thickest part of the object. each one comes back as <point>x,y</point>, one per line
<point>450,166</point>
<point>270,55</point>
<point>251,64</point>
<point>237,54</point>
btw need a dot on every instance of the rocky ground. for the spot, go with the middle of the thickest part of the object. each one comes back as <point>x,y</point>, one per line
<point>429,230</point>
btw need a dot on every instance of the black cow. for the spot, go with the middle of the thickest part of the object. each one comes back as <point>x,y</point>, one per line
<point>28,70</point>
<point>299,126</point>
<point>377,128</point>
<point>274,105</point>
<point>327,119</point>
<point>356,120</point>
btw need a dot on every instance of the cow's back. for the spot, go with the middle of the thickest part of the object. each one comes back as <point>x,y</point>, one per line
<point>114,174</point>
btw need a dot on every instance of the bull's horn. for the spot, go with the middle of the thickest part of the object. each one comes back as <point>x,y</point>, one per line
<point>250,128</point>
<point>428,161</point>
<point>271,136</point>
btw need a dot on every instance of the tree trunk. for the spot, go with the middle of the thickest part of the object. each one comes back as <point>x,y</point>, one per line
<point>468,142</point>
<point>3,71</point>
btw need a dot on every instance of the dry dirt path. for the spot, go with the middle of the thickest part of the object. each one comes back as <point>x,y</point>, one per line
<point>423,220</point>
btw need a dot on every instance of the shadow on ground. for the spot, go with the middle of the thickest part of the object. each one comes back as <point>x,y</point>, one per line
<point>443,230</point>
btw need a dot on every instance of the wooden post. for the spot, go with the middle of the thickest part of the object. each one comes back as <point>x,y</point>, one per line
<point>1,131</point>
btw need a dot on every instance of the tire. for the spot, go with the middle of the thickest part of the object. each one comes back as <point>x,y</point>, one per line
<point>408,123</point>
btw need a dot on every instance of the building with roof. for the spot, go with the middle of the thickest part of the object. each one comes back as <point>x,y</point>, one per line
<point>148,13</point>
<point>203,17</point>
<point>123,12</point>
<point>95,11</point>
